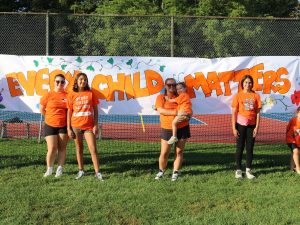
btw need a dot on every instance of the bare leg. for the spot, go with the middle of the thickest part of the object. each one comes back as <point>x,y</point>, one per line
<point>79,149</point>
<point>91,142</point>
<point>174,126</point>
<point>164,154</point>
<point>179,154</point>
<point>52,149</point>
<point>62,145</point>
<point>296,159</point>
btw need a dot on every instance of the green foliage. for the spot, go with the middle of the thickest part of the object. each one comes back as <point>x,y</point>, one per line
<point>206,192</point>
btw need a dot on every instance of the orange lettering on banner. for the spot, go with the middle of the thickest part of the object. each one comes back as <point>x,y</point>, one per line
<point>13,85</point>
<point>28,84</point>
<point>196,82</point>
<point>256,75</point>
<point>153,76</point>
<point>286,83</point>
<point>97,81</point>
<point>40,81</point>
<point>225,77</point>
<point>129,91</point>
<point>269,77</point>
<point>117,86</point>
<point>214,83</point>
<point>139,92</point>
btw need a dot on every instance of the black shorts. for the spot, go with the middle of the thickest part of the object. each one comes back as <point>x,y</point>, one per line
<point>49,130</point>
<point>292,146</point>
<point>182,133</point>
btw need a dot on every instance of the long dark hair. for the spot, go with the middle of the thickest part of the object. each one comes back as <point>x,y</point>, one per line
<point>75,85</point>
<point>243,80</point>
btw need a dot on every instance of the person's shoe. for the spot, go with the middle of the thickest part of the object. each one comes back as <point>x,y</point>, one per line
<point>159,175</point>
<point>79,174</point>
<point>172,140</point>
<point>297,171</point>
<point>249,174</point>
<point>48,172</point>
<point>59,171</point>
<point>175,176</point>
<point>99,176</point>
<point>238,174</point>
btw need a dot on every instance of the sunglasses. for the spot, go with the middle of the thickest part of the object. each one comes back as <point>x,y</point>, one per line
<point>60,81</point>
<point>171,85</point>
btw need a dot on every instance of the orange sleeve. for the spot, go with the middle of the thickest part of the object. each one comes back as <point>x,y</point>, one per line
<point>159,103</point>
<point>95,100</point>
<point>235,102</point>
<point>259,104</point>
<point>44,99</point>
<point>69,101</point>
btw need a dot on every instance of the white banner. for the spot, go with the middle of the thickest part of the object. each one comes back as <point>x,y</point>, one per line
<point>129,85</point>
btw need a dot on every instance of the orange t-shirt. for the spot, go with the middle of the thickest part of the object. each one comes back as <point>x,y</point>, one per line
<point>82,103</point>
<point>247,105</point>
<point>166,121</point>
<point>55,104</point>
<point>184,103</point>
<point>293,125</point>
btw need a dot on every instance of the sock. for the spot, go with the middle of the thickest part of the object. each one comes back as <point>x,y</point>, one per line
<point>248,169</point>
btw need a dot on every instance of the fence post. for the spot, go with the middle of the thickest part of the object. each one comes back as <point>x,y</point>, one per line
<point>172,36</point>
<point>47,33</point>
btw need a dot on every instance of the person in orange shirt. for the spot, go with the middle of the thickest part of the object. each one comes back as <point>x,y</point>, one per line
<point>184,102</point>
<point>293,140</point>
<point>53,106</point>
<point>246,107</point>
<point>168,111</point>
<point>82,121</point>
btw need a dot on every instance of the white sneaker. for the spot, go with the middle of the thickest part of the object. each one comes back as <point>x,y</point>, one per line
<point>99,176</point>
<point>238,174</point>
<point>48,172</point>
<point>79,174</point>
<point>175,176</point>
<point>249,174</point>
<point>159,175</point>
<point>172,140</point>
<point>59,171</point>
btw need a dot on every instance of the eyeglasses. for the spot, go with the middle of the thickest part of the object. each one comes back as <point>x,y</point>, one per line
<point>60,81</point>
<point>171,85</point>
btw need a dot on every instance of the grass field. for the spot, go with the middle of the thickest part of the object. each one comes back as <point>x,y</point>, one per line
<point>206,193</point>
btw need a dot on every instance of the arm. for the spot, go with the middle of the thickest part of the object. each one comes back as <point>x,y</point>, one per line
<point>70,131</point>
<point>167,112</point>
<point>233,121</point>
<point>95,128</point>
<point>257,123</point>
<point>43,109</point>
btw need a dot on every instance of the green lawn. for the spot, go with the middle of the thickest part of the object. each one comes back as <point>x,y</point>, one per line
<point>206,193</point>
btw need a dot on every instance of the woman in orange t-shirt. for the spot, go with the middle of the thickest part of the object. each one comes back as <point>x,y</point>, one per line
<point>53,106</point>
<point>246,107</point>
<point>293,140</point>
<point>82,121</point>
<point>168,111</point>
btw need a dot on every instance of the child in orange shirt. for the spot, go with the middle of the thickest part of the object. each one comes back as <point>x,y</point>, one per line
<point>82,121</point>
<point>184,103</point>
<point>293,140</point>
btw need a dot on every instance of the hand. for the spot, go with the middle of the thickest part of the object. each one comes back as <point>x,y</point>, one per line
<point>235,133</point>
<point>255,132</point>
<point>95,130</point>
<point>181,113</point>
<point>71,133</point>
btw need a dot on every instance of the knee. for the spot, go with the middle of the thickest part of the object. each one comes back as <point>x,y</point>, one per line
<point>296,151</point>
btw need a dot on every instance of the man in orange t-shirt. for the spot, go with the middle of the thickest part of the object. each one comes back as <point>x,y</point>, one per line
<point>293,140</point>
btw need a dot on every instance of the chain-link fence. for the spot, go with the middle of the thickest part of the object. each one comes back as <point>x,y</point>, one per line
<point>165,36</point>
<point>67,34</point>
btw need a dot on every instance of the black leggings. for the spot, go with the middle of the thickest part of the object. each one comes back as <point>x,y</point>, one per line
<point>246,137</point>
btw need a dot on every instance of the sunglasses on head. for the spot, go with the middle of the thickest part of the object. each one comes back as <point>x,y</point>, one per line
<point>60,81</point>
<point>171,85</point>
